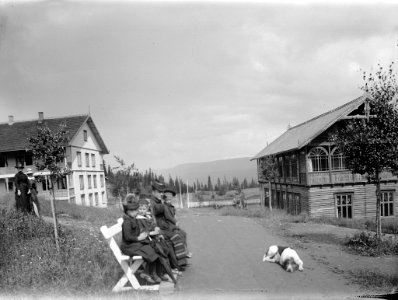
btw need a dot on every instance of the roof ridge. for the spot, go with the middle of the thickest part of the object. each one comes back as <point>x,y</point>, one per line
<point>48,118</point>
<point>328,112</point>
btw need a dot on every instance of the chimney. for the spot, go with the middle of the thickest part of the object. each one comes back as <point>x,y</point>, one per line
<point>41,117</point>
<point>10,120</point>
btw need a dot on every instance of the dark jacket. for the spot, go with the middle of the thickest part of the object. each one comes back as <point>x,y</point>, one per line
<point>130,245</point>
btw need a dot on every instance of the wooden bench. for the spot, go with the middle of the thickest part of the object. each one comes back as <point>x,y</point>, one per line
<point>129,264</point>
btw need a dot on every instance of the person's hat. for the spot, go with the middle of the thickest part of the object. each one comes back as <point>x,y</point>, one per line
<point>130,206</point>
<point>170,190</point>
<point>130,197</point>
<point>19,166</point>
<point>29,171</point>
<point>157,185</point>
<point>143,202</point>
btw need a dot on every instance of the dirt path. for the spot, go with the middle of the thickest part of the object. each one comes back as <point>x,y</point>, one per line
<point>227,261</point>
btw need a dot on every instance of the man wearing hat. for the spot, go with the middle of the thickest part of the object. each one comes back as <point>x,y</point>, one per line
<point>22,201</point>
<point>34,201</point>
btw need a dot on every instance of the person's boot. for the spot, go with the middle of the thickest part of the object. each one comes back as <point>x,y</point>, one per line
<point>156,277</point>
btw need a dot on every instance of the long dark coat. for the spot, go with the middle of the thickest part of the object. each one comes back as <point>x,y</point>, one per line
<point>130,245</point>
<point>22,202</point>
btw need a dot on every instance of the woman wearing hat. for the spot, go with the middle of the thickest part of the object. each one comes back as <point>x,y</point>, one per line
<point>22,201</point>
<point>134,243</point>
<point>34,201</point>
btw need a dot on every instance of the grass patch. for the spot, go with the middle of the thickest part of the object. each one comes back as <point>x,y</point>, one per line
<point>365,243</point>
<point>85,266</point>
<point>388,226</point>
<point>276,215</point>
<point>375,280</point>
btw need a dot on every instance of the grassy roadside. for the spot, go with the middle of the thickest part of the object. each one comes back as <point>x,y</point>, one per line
<point>30,266</point>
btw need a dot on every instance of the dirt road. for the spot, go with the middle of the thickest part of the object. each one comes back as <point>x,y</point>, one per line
<point>227,262</point>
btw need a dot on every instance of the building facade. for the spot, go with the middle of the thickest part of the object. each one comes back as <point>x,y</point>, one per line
<point>85,150</point>
<point>312,176</point>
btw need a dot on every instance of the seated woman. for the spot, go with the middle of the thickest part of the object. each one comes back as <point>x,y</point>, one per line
<point>165,251</point>
<point>133,243</point>
<point>169,216</point>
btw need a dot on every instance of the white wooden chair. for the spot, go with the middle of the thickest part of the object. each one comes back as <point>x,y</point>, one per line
<point>129,264</point>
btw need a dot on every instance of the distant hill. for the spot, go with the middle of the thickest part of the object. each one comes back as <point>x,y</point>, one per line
<point>240,168</point>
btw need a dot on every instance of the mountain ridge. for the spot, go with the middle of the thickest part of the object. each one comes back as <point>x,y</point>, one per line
<point>240,168</point>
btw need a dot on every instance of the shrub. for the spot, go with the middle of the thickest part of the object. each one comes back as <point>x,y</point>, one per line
<point>367,244</point>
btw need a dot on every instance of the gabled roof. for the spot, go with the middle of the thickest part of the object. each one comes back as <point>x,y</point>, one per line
<point>302,134</point>
<point>15,137</point>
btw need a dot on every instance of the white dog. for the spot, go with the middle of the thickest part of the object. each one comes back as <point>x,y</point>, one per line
<point>285,256</point>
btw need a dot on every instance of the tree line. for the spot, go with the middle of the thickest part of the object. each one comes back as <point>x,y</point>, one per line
<point>125,179</point>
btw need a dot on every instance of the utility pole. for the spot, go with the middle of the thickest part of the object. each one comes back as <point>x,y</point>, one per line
<point>187,195</point>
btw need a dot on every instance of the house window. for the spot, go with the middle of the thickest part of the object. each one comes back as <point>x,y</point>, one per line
<point>90,199</point>
<point>338,159</point>
<point>344,205</point>
<point>293,165</point>
<point>286,165</point>
<point>319,159</point>
<point>89,181</point>
<point>3,161</point>
<point>81,180</point>
<point>46,184</point>
<point>83,199</point>
<point>96,199</point>
<point>93,160</point>
<point>85,135</point>
<point>20,160</point>
<point>103,198</point>
<point>387,204</point>
<point>280,166</point>
<point>87,158</point>
<point>102,180</point>
<point>296,209</point>
<point>71,183</point>
<point>29,158</point>
<point>95,181</point>
<point>79,158</point>
<point>61,183</point>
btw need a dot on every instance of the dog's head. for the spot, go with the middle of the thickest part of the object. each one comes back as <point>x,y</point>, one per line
<point>289,265</point>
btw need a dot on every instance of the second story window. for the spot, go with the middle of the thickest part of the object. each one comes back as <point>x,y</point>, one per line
<point>89,181</point>
<point>280,166</point>
<point>87,158</point>
<point>93,160</point>
<point>319,159</point>
<point>293,166</point>
<point>3,161</point>
<point>79,158</point>
<point>95,181</point>
<point>85,135</point>
<point>338,160</point>
<point>102,180</point>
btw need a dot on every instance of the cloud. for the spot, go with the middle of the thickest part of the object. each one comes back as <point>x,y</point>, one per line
<point>175,82</point>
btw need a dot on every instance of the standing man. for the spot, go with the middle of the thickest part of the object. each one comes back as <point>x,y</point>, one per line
<point>22,201</point>
<point>34,201</point>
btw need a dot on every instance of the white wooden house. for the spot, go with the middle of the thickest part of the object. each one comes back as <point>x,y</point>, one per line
<point>85,185</point>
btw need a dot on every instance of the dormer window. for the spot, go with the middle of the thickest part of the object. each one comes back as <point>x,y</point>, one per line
<point>85,135</point>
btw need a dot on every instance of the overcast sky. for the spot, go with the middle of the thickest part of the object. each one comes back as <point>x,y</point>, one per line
<point>176,82</point>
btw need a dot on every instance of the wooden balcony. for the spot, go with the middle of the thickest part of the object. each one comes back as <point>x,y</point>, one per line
<point>325,177</point>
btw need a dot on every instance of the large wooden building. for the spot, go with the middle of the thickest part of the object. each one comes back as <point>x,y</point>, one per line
<point>85,185</point>
<point>312,175</point>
